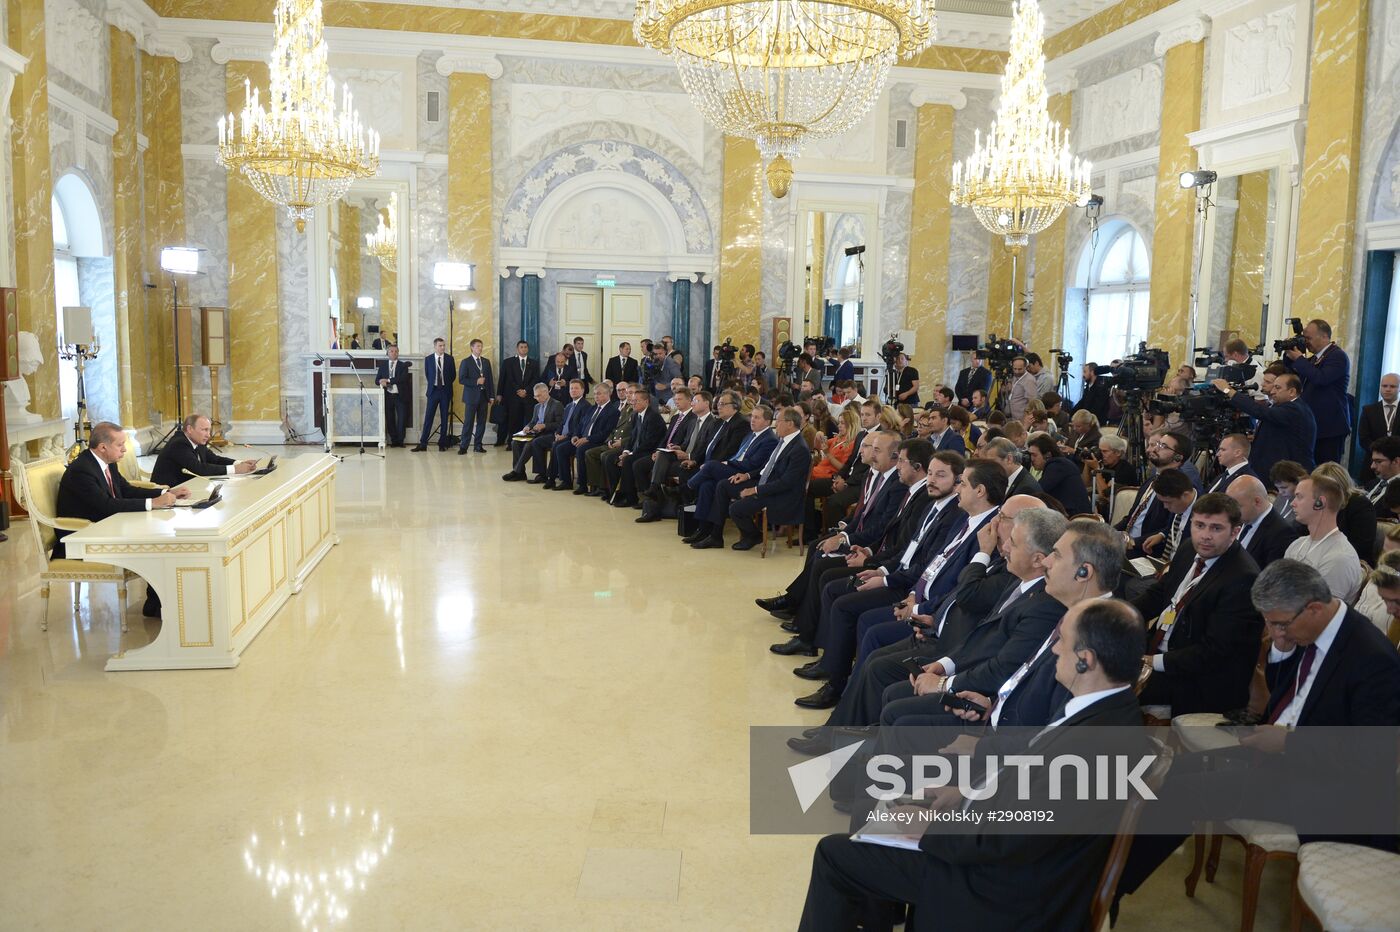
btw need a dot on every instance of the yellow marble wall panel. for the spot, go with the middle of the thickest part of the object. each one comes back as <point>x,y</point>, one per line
<point>741,236</point>
<point>1175,212</point>
<point>1048,312</point>
<point>1331,154</point>
<point>816,275</point>
<point>388,302</point>
<point>351,243</point>
<point>254,326</point>
<point>130,300</point>
<point>930,233</point>
<point>956,58</point>
<point>32,178</point>
<point>163,170</point>
<point>1245,305</point>
<point>1000,288</point>
<point>1101,24</point>
<point>469,228</point>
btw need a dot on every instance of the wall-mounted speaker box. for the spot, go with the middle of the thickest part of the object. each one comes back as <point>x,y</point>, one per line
<point>77,326</point>
<point>782,332</point>
<point>213,335</point>
<point>184,335</point>
<point>9,334</point>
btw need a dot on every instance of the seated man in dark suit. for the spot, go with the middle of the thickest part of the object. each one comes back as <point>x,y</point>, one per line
<point>1204,633</point>
<point>188,452</point>
<point>597,424</point>
<point>647,431</point>
<point>574,427</point>
<point>841,491</point>
<point>1328,668</point>
<point>941,433</point>
<point>1019,480</point>
<point>750,457</point>
<point>777,485</point>
<point>677,434</point>
<point>541,428</point>
<point>671,462</point>
<point>1264,535</point>
<point>602,460</point>
<point>92,488</point>
<point>987,878</point>
<point>729,432</point>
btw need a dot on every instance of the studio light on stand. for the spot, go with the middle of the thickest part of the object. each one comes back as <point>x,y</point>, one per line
<point>79,343</point>
<point>1202,181</point>
<point>176,261</point>
<point>859,253</point>
<point>364,303</point>
<point>452,277</point>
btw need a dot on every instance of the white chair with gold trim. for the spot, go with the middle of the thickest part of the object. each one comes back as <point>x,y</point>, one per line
<point>131,470</point>
<point>38,490</point>
<point>1346,888</point>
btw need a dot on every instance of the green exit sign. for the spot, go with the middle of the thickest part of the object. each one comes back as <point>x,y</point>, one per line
<point>605,281</point>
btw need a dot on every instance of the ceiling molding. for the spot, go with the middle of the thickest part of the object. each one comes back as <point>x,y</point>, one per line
<point>468,63</point>
<point>75,105</point>
<point>1189,29</point>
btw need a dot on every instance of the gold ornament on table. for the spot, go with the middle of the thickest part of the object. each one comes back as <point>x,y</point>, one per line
<point>299,151</point>
<point>383,243</point>
<point>781,72</point>
<point>1022,174</point>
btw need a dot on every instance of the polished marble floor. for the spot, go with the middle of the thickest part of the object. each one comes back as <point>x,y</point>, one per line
<point>491,707</point>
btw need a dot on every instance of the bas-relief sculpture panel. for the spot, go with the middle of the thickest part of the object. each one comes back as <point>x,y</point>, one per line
<point>1125,106</point>
<point>203,95</point>
<point>1259,52</point>
<point>75,42</point>
<point>606,219</point>
<point>382,95</point>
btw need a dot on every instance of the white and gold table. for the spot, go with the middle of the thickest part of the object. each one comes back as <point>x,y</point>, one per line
<point>221,572</point>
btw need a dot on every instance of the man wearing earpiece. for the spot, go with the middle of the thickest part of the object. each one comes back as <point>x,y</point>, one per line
<point>1325,548</point>
<point>1203,632</point>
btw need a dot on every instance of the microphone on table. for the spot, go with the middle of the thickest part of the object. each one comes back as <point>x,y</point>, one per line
<point>195,475</point>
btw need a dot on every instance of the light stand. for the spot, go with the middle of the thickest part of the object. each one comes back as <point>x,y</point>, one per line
<point>452,277</point>
<point>81,352</point>
<point>361,383</point>
<point>1201,180</point>
<point>176,260</point>
<point>325,365</point>
<point>859,253</point>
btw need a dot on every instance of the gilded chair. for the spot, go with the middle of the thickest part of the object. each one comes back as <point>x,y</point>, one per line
<point>1106,889</point>
<point>131,470</point>
<point>38,490</point>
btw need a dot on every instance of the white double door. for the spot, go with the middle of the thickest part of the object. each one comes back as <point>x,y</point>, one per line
<point>604,317</point>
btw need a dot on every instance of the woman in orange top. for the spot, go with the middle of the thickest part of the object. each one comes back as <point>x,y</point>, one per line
<point>831,455</point>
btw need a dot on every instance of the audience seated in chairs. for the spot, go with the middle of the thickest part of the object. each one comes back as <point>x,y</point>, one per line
<point>570,455</point>
<point>1323,547</point>
<point>777,487</point>
<point>748,459</point>
<point>1264,535</point>
<point>648,430</point>
<point>1060,476</point>
<point>540,429</point>
<point>686,448</point>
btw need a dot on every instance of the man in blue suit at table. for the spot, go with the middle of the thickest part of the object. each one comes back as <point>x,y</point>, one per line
<point>478,388</point>
<point>593,432</point>
<point>1324,375</point>
<point>780,485</point>
<point>439,373</point>
<point>576,417</point>
<point>750,457</point>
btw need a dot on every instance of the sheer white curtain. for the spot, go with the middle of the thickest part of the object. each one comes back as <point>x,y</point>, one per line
<point>1390,354</point>
<point>1118,299</point>
<point>65,294</point>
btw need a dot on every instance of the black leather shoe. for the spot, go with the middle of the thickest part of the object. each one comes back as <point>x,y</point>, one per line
<point>789,626</point>
<point>746,543</point>
<point>707,543</point>
<point>774,604</point>
<point>825,698</point>
<point>646,518</point>
<point>621,503</point>
<point>548,483</point>
<point>536,480</point>
<point>581,490</point>
<point>809,746</point>
<point>783,614</point>
<point>794,647</point>
<point>811,671</point>
<point>514,477</point>
<point>478,449</point>
<point>418,449</point>
<point>560,487</point>
<point>461,451</point>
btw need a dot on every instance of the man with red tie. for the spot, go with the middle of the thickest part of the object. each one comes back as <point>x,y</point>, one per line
<point>92,488</point>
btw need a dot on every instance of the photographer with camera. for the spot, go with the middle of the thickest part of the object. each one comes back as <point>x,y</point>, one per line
<point>1286,429</point>
<point>1111,470</point>
<point>1324,376</point>
<point>906,381</point>
<point>658,370</point>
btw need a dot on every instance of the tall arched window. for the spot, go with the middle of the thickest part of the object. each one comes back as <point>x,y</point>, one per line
<point>1117,289</point>
<point>78,237</point>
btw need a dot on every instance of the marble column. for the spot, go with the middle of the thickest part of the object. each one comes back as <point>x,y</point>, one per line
<point>254,319</point>
<point>816,277</point>
<point>930,236</point>
<point>163,168</point>
<point>1001,291</point>
<point>133,389</point>
<point>32,181</point>
<point>680,322</point>
<point>1244,307</point>
<point>388,302</point>
<point>1322,271</point>
<point>530,311</point>
<point>470,236</point>
<point>1048,310</point>
<point>1173,238</point>
<point>741,241</point>
<point>351,246</point>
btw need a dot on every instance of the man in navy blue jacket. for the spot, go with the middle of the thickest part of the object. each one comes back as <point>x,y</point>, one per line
<point>596,425</point>
<point>478,388</point>
<point>1324,375</point>
<point>577,414</point>
<point>750,458</point>
<point>780,485</point>
<point>1286,429</point>
<point>439,374</point>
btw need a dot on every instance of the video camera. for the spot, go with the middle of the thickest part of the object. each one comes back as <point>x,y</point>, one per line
<point>1206,412</point>
<point>1144,371</point>
<point>725,362</point>
<point>1295,342</point>
<point>890,351</point>
<point>998,354</point>
<point>825,345</point>
<point>1062,359</point>
<point>1237,374</point>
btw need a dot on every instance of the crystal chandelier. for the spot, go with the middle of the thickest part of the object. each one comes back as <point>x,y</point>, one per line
<point>299,152</point>
<point>780,72</point>
<point>1022,175</point>
<point>383,243</point>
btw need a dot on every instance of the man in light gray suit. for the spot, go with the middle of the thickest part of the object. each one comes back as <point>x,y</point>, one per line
<point>1023,389</point>
<point>544,423</point>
